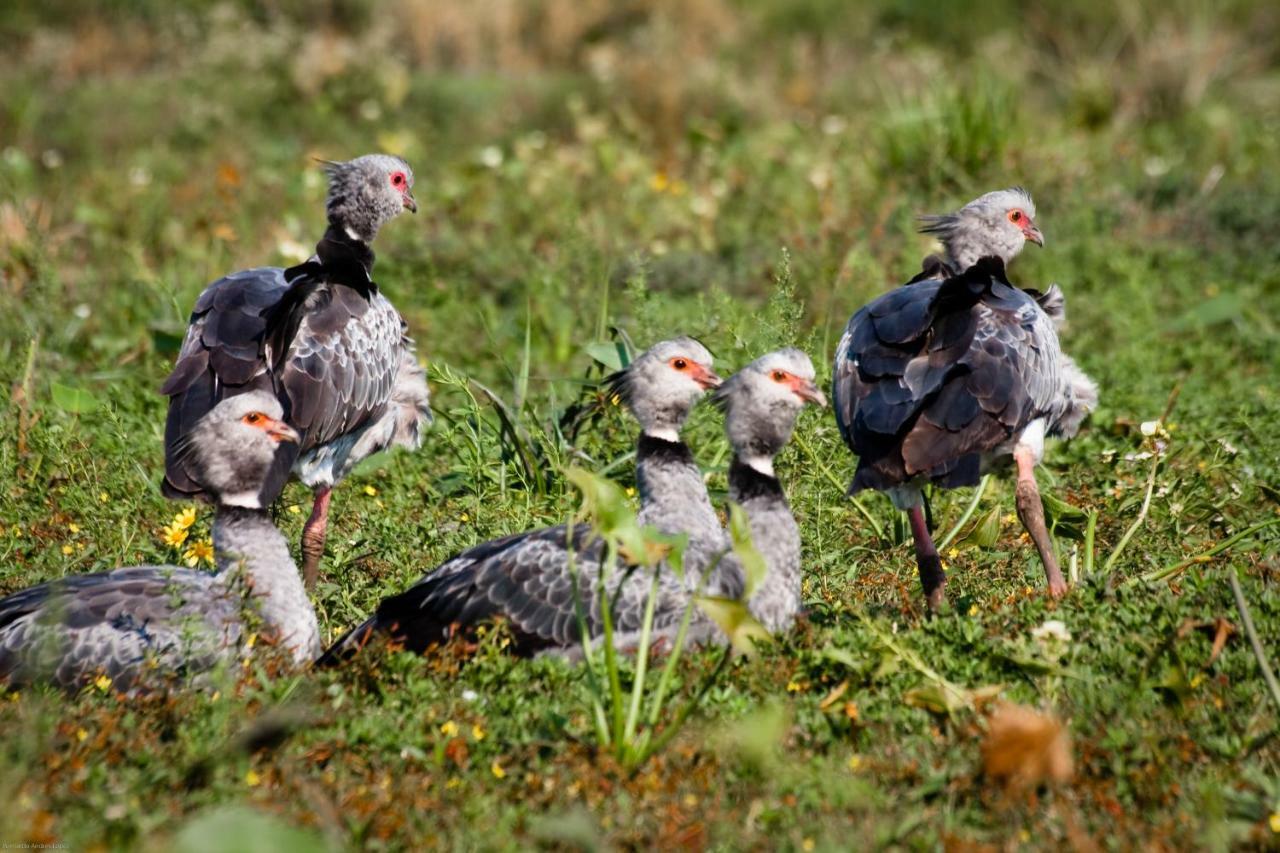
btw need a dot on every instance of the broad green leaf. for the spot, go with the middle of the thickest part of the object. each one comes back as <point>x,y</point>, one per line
<point>840,656</point>
<point>753,564</point>
<point>237,829</point>
<point>612,354</point>
<point>735,620</point>
<point>1062,518</point>
<point>936,698</point>
<point>986,530</point>
<point>167,341</point>
<point>603,501</point>
<point>1219,309</point>
<point>76,401</point>
<point>755,738</point>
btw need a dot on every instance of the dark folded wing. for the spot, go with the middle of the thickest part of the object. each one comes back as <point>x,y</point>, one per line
<point>221,356</point>
<point>929,376</point>
<point>114,624</point>
<point>526,579</point>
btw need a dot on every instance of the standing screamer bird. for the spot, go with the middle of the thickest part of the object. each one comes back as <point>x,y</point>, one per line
<point>526,577</point>
<point>944,378</point>
<point>136,624</point>
<point>322,338</point>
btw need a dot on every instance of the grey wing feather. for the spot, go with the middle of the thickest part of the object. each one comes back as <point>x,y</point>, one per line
<point>123,624</point>
<point>526,579</point>
<point>341,365</point>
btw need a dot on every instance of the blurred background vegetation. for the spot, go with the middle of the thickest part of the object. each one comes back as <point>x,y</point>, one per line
<point>744,170</point>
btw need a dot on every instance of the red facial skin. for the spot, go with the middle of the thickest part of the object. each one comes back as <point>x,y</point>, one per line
<point>704,376</point>
<point>278,430</point>
<point>401,182</point>
<point>1028,227</point>
<point>803,388</point>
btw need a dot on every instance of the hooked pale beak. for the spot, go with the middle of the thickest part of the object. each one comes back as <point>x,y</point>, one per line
<point>1032,233</point>
<point>806,390</point>
<point>409,202</point>
<point>705,377</point>
<point>281,431</point>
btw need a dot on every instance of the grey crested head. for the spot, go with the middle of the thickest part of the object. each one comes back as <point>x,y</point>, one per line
<point>367,193</point>
<point>761,403</point>
<point>997,224</point>
<point>663,383</point>
<point>234,446</point>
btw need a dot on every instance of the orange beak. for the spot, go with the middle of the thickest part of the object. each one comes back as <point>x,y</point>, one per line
<point>806,390</point>
<point>704,376</point>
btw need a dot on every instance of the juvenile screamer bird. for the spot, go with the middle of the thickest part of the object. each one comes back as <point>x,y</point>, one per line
<point>957,372</point>
<point>322,338</point>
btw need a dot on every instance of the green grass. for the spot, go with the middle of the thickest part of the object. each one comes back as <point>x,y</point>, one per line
<point>752,187</point>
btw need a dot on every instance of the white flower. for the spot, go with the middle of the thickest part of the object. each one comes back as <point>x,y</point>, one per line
<point>470,695</point>
<point>491,156</point>
<point>1052,629</point>
<point>1149,428</point>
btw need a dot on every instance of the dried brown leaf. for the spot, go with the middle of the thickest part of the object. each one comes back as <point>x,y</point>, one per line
<point>1025,748</point>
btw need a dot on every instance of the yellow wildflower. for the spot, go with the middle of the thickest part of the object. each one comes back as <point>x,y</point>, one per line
<point>477,732</point>
<point>807,844</point>
<point>294,509</point>
<point>201,549</point>
<point>67,550</point>
<point>631,492</point>
<point>855,761</point>
<point>1275,821</point>
<point>103,683</point>
<point>252,779</point>
<point>449,728</point>
<point>659,182</point>
<point>464,518</point>
<point>73,527</point>
<point>792,687</point>
<point>371,491</point>
<point>185,519</point>
<point>173,535</point>
<point>953,552</point>
<point>496,769</point>
<point>104,497</point>
<point>973,610</point>
<point>453,783</point>
<point>81,735</point>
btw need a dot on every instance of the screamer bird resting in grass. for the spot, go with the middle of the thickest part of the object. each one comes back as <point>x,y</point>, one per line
<point>529,579</point>
<point>953,374</point>
<point>322,338</point>
<point>138,625</point>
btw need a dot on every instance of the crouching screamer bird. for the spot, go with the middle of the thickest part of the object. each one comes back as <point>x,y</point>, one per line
<point>143,625</point>
<point>537,580</point>
<point>322,338</point>
<point>528,578</point>
<point>958,372</point>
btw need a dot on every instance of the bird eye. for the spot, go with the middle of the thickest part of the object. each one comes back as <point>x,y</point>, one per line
<point>679,363</point>
<point>1015,216</point>
<point>779,376</point>
<point>397,180</point>
<point>253,417</point>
